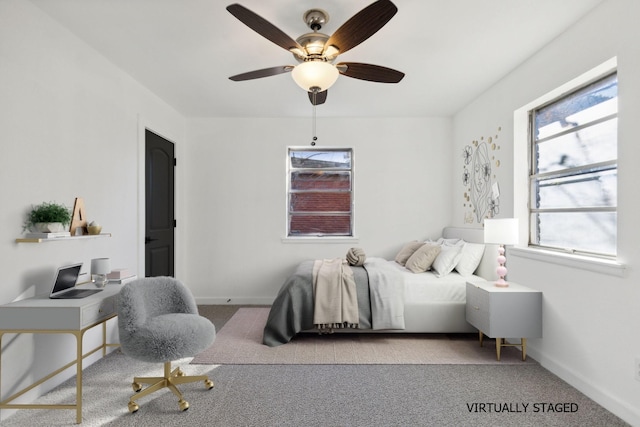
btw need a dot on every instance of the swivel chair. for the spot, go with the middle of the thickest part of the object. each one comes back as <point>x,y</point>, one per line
<point>158,321</point>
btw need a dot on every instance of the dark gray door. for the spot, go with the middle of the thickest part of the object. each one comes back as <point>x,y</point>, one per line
<point>159,207</point>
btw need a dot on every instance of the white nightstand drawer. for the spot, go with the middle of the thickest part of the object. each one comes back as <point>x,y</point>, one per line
<point>477,307</point>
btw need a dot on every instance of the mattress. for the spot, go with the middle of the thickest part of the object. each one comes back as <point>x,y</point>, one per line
<point>426,287</point>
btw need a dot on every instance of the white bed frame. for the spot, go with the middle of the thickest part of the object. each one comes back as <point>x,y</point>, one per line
<point>443,317</point>
<point>437,317</point>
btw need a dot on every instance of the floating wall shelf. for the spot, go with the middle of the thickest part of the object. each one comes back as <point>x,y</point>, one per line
<point>58,239</point>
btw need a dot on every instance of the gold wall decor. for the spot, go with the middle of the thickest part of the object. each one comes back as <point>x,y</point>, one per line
<point>481,195</point>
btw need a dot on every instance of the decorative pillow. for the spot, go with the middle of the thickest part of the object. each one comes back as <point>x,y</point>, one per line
<point>444,242</point>
<point>470,259</point>
<point>407,251</point>
<point>447,259</point>
<point>422,259</point>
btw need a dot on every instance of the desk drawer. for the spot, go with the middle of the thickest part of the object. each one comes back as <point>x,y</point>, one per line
<point>477,307</point>
<point>98,311</point>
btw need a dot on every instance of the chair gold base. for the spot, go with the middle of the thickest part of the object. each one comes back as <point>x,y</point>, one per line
<point>169,380</point>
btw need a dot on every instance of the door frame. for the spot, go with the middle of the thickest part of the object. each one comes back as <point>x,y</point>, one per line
<point>144,125</point>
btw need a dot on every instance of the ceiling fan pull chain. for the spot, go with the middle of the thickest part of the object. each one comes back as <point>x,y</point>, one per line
<point>313,118</point>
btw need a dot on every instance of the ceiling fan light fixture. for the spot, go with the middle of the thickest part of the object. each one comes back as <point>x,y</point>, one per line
<point>315,74</point>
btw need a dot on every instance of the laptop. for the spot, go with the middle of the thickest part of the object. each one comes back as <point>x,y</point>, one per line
<point>64,286</point>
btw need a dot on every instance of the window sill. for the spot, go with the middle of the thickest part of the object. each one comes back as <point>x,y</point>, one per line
<point>598,265</point>
<point>320,239</point>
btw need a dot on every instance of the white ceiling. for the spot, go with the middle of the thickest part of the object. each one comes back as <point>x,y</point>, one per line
<point>185,50</point>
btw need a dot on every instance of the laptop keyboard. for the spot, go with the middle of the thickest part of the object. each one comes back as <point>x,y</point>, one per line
<point>79,293</point>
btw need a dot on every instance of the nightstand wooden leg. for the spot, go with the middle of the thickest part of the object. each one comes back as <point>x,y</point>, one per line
<point>524,349</point>
<point>481,336</point>
<point>498,347</point>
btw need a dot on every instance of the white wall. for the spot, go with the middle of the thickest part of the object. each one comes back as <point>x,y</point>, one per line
<point>590,318</point>
<point>236,196</point>
<point>69,127</point>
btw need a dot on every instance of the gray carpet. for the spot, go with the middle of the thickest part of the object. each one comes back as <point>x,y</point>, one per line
<point>330,395</point>
<point>326,395</point>
<point>240,343</point>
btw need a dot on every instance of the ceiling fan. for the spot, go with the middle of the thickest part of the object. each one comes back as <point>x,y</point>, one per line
<point>316,52</point>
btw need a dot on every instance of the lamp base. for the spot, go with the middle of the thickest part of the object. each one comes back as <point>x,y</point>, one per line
<point>501,283</point>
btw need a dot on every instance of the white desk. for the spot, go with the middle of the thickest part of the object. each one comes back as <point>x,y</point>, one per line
<point>41,315</point>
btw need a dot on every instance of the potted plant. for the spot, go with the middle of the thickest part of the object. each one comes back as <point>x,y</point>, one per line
<point>48,218</point>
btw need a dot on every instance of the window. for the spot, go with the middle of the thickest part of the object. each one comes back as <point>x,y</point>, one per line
<point>320,192</point>
<point>573,171</point>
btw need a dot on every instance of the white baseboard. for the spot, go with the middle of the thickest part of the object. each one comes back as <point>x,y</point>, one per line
<point>613,404</point>
<point>233,301</point>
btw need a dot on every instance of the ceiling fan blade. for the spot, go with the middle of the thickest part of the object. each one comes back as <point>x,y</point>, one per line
<point>318,97</point>
<point>263,27</point>
<point>265,72</point>
<point>372,73</point>
<point>362,25</point>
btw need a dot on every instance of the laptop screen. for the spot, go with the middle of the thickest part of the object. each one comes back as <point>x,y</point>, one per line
<point>66,278</point>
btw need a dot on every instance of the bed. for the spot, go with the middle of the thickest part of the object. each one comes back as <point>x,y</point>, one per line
<point>431,301</point>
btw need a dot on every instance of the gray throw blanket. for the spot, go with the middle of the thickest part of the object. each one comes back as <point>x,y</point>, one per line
<point>336,301</point>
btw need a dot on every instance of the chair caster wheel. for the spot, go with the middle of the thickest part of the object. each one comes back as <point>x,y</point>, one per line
<point>184,405</point>
<point>179,373</point>
<point>133,407</point>
<point>136,387</point>
<point>208,384</point>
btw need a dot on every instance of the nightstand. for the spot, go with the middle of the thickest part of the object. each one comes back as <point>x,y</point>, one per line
<point>510,312</point>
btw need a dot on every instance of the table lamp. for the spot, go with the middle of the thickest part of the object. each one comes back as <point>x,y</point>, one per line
<point>501,232</point>
<point>100,267</point>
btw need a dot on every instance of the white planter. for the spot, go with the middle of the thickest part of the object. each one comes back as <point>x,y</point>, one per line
<point>49,227</point>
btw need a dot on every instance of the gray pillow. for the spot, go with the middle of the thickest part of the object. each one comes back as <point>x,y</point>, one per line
<point>422,259</point>
<point>407,250</point>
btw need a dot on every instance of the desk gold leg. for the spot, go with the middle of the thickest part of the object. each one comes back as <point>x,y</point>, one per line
<point>1,336</point>
<point>78,336</point>
<point>104,339</point>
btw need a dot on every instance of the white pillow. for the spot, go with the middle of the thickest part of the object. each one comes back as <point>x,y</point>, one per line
<point>470,258</point>
<point>450,242</point>
<point>447,259</point>
<point>443,241</point>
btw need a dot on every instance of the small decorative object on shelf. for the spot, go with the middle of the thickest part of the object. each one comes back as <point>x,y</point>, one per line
<point>94,228</point>
<point>79,219</point>
<point>47,235</point>
<point>47,217</point>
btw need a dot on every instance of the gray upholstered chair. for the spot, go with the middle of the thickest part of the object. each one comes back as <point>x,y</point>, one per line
<point>158,321</point>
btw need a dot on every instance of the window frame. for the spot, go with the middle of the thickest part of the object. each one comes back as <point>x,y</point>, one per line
<point>535,177</point>
<point>289,191</point>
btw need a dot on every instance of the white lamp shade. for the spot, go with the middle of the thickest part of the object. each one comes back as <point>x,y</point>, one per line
<point>502,231</point>
<point>318,74</point>
<point>100,266</point>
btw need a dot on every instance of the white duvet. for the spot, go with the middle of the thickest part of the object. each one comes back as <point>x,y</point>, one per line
<point>426,287</point>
